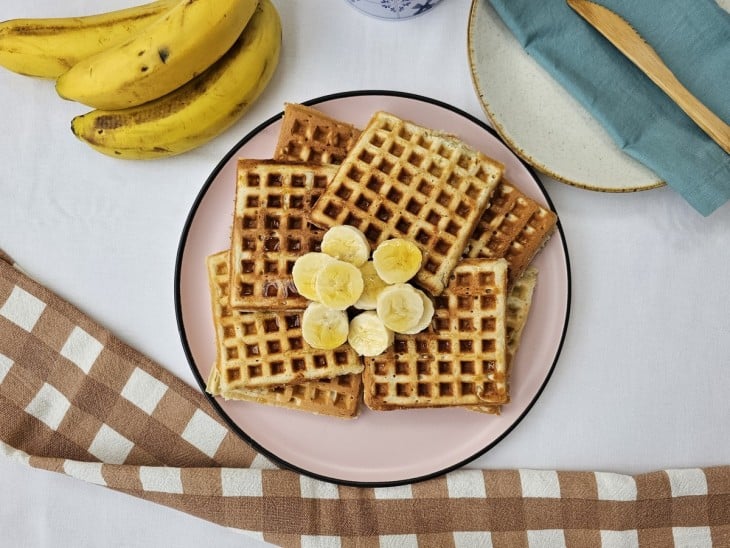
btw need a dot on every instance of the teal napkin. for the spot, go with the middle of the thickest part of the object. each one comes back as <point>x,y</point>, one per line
<point>691,36</point>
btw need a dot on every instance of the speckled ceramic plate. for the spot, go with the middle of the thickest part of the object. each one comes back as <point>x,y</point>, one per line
<point>538,119</point>
<point>377,448</point>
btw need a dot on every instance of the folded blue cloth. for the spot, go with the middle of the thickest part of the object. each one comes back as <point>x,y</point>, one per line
<point>693,39</point>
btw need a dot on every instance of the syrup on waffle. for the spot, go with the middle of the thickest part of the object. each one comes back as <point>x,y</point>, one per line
<point>514,227</point>
<point>270,231</point>
<point>460,359</point>
<point>308,135</point>
<point>257,349</point>
<point>403,180</point>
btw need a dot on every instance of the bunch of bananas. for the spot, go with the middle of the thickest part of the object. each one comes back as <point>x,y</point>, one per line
<point>162,78</point>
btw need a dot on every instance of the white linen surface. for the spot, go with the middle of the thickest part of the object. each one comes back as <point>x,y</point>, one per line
<point>643,379</point>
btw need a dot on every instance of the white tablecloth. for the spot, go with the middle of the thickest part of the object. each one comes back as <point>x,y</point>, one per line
<point>643,379</point>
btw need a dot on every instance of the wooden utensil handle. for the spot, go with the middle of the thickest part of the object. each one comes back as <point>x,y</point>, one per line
<point>707,120</point>
<point>622,35</point>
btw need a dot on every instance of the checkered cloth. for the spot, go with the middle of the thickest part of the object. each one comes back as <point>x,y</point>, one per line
<point>76,400</point>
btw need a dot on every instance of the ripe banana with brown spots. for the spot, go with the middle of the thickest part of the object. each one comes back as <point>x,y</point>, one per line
<point>48,47</point>
<point>198,111</point>
<point>166,54</point>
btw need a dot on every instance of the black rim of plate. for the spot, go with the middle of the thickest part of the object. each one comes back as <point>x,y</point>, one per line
<point>181,327</point>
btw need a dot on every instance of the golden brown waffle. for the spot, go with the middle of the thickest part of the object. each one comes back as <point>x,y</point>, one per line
<point>518,236</point>
<point>308,135</point>
<point>257,349</point>
<point>514,226</point>
<point>270,231</point>
<point>336,397</point>
<point>519,303</point>
<point>403,180</point>
<point>460,359</point>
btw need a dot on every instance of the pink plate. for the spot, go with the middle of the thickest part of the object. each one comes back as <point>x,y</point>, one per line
<point>377,448</point>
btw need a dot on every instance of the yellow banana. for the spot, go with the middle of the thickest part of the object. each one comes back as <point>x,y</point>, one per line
<point>339,285</point>
<point>305,270</point>
<point>198,111</point>
<point>324,327</point>
<point>397,260</point>
<point>166,54</point>
<point>373,285</point>
<point>47,48</point>
<point>425,320</point>
<point>400,307</point>
<point>368,335</point>
<point>346,243</point>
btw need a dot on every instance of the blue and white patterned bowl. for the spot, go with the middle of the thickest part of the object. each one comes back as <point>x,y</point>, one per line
<point>393,9</point>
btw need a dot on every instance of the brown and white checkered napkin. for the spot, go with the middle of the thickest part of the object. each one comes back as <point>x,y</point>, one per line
<point>76,400</point>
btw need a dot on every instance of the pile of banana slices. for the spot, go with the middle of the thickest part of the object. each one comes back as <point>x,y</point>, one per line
<point>163,78</point>
<point>344,277</point>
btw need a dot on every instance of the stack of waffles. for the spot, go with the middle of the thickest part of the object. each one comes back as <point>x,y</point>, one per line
<point>261,353</point>
<point>477,232</point>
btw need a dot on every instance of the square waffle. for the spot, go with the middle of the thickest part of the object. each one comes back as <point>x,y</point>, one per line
<point>336,397</point>
<point>266,348</point>
<point>270,231</point>
<point>308,135</point>
<point>460,359</point>
<point>514,227</point>
<point>403,180</point>
<point>519,302</point>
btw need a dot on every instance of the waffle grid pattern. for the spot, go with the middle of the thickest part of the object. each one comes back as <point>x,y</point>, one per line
<point>308,135</point>
<point>403,180</point>
<point>341,392</point>
<point>519,302</point>
<point>338,396</point>
<point>514,227</point>
<point>460,359</point>
<point>267,348</point>
<point>271,230</point>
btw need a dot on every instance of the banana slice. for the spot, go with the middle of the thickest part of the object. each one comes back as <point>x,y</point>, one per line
<point>368,334</point>
<point>400,307</point>
<point>374,284</point>
<point>339,284</point>
<point>346,243</point>
<point>324,327</point>
<point>426,317</point>
<point>305,270</point>
<point>397,260</point>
